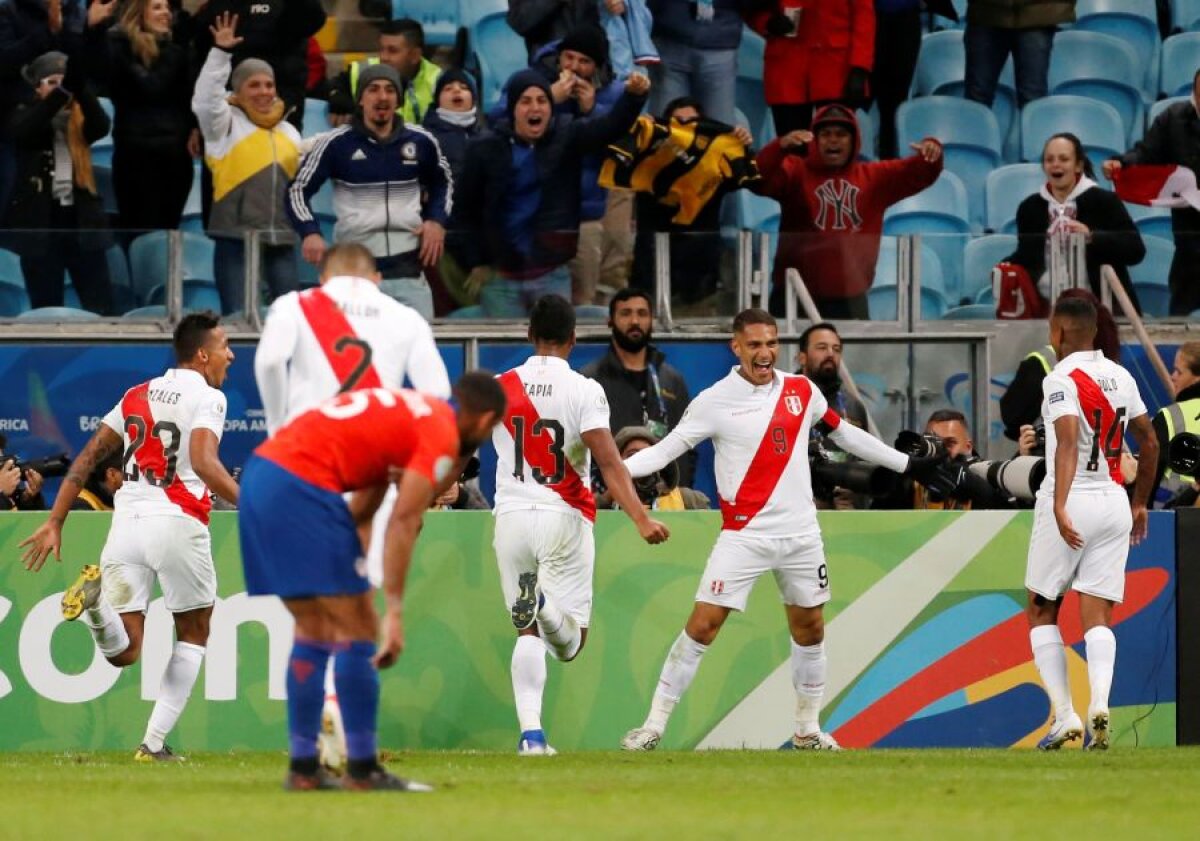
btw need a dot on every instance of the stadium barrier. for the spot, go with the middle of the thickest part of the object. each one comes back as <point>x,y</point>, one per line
<point>926,638</point>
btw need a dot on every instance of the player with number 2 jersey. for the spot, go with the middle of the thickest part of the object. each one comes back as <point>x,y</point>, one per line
<point>544,508</point>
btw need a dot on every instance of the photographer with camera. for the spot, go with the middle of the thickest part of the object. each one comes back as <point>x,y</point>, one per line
<point>102,485</point>
<point>659,491</point>
<point>1181,416</point>
<point>21,482</point>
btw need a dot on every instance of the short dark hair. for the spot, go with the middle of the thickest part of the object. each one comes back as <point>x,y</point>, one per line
<point>411,29</point>
<point>479,391</point>
<point>754,315</point>
<point>192,332</point>
<point>628,293</point>
<point>1079,310</point>
<point>552,319</point>
<point>807,334</point>
<point>682,102</point>
<point>948,416</point>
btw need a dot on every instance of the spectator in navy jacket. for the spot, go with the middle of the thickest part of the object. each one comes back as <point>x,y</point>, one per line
<point>517,215</point>
<point>392,190</point>
<point>698,44</point>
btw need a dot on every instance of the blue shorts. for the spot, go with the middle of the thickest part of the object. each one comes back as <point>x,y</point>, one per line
<point>298,540</point>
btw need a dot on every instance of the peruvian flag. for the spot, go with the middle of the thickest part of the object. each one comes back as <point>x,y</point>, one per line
<point>1158,186</point>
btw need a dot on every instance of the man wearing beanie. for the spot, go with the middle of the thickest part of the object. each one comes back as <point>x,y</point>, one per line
<point>518,211</point>
<point>832,207</point>
<point>392,190</point>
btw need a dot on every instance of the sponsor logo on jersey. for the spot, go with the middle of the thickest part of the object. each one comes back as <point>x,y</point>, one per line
<point>359,155</point>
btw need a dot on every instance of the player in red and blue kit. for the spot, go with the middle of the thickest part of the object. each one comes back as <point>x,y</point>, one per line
<point>300,541</point>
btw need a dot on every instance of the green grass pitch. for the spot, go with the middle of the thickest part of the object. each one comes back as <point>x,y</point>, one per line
<point>1150,793</point>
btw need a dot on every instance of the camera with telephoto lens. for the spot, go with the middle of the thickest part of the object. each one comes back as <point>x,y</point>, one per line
<point>1183,454</point>
<point>856,476</point>
<point>1017,478</point>
<point>968,478</point>
<point>49,467</point>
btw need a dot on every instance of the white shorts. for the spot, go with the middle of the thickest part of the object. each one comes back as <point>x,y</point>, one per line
<point>737,560</point>
<point>559,547</point>
<point>1098,569</point>
<point>175,550</point>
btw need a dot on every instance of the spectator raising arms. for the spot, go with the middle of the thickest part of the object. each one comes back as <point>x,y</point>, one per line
<point>252,153</point>
<point>55,201</point>
<point>1071,202</point>
<point>150,84</point>
<point>832,207</point>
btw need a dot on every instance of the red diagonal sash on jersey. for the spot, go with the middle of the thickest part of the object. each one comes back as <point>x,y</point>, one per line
<point>1095,404</point>
<point>535,448</point>
<point>774,452</point>
<point>343,348</point>
<point>151,458</point>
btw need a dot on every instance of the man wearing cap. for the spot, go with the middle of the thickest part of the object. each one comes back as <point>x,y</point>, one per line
<point>401,47</point>
<point>392,190</point>
<point>518,210</point>
<point>1174,138</point>
<point>660,491</point>
<point>832,207</point>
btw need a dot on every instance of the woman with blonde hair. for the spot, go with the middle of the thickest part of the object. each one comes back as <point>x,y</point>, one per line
<point>150,83</point>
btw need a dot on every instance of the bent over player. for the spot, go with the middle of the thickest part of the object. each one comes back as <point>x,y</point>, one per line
<point>555,418</point>
<point>1082,521</point>
<point>300,542</point>
<point>759,420</point>
<point>169,429</point>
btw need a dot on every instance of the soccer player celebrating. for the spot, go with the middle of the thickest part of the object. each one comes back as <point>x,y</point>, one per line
<point>759,420</point>
<point>169,429</point>
<point>300,542</point>
<point>544,506</point>
<point>1082,521</point>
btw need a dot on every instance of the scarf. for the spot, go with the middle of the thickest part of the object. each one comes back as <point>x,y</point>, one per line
<point>1058,234</point>
<point>462,119</point>
<point>266,121</point>
<point>72,156</point>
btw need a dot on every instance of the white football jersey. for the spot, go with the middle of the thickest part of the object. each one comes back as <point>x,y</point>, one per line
<point>155,421</point>
<point>541,460</point>
<point>1104,398</point>
<point>346,335</point>
<point>760,435</point>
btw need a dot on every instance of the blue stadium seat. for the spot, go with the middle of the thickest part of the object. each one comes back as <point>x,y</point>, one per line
<point>1180,60</point>
<point>886,270</point>
<point>754,210</point>
<point>1097,124</point>
<point>438,18</point>
<point>1154,298</point>
<point>866,136</point>
<point>58,314</point>
<point>13,300</point>
<point>1099,66</point>
<point>118,266</point>
<point>1007,187</point>
<point>1133,21</point>
<point>148,260</point>
<point>986,296</point>
<point>939,214</point>
<point>968,131</point>
<point>470,11</point>
<point>10,269</point>
<point>882,303</point>
<point>970,312</point>
<point>316,119</point>
<point>197,295</point>
<point>752,111</point>
<point>979,258</point>
<point>1162,105</point>
<point>1156,267</point>
<point>1185,15</point>
<point>750,55</point>
<point>498,53</point>
<point>155,311</point>
<point>1151,221</point>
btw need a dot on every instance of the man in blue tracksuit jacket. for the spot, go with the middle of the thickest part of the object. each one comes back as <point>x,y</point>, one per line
<point>381,168</point>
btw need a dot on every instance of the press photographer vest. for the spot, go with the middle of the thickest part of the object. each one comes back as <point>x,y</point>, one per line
<point>1180,417</point>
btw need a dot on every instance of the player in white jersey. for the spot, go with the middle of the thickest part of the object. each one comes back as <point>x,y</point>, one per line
<point>346,335</point>
<point>169,429</point>
<point>759,420</point>
<point>1083,523</point>
<point>544,506</point>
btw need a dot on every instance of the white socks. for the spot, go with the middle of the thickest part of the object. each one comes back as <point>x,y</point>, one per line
<point>682,662</point>
<point>1051,660</point>
<point>107,628</point>
<point>560,631</point>
<point>808,677</point>
<point>177,682</point>
<point>529,680</point>
<point>1101,656</point>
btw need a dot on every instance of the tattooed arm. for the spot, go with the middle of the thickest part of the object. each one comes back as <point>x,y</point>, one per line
<point>48,537</point>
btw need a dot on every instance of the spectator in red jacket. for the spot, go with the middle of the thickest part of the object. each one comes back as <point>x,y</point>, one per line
<point>816,54</point>
<point>832,207</point>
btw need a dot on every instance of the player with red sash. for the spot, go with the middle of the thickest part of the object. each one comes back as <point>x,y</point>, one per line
<point>544,506</point>
<point>1082,521</point>
<point>169,429</point>
<point>300,542</point>
<point>759,420</point>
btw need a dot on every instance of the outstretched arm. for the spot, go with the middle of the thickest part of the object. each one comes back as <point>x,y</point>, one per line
<point>867,447</point>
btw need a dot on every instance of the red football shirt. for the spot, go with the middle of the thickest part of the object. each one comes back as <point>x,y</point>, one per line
<point>349,442</point>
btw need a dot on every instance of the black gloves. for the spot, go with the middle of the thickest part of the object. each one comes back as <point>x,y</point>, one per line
<point>924,468</point>
<point>780,25</point>
<point>858,88</point>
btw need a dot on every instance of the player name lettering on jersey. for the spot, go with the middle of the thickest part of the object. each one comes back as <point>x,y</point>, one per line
<point>158,395</point>
<point>539,389</point>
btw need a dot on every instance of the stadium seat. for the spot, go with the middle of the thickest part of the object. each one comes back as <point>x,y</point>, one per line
<point>197,295</point>
<point>882,302</point>
<point>148,260</point>
<point>1007,187</point>
<point>1133,21</point>
<point>1156,267</point>
<point>1162,105</point>
<point>1101,67</point>
<point>1185,15</point>
<point>316,119</point>
<point>970,312</point>
<point>58,314</point>
<point>986,296</point>
<point>13,300</point>
<point>866,135</point>
<point>1180,59</point>
<point>979,258</point>
<point>968,131</point>
<point>939,214</point>
<point>753,210</point>
<point>118,266</point>
<point>439,18</point>
<point>10,269</point>
<point>156,311</point>
<point>1155,299</point>
<point>1151,221</point>
<point>1097,124</point>
<point>470,11</point>
<point>498,53</point>
<point>750,55</point>
<point>887,271</point>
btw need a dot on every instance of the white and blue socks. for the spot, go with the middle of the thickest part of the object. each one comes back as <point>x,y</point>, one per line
<point>529,681</point>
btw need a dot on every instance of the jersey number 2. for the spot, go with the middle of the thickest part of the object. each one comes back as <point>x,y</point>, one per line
<point>555,448</point>
<point>364,360</point>
<point>135,426</point>
<point>1113,436</point>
